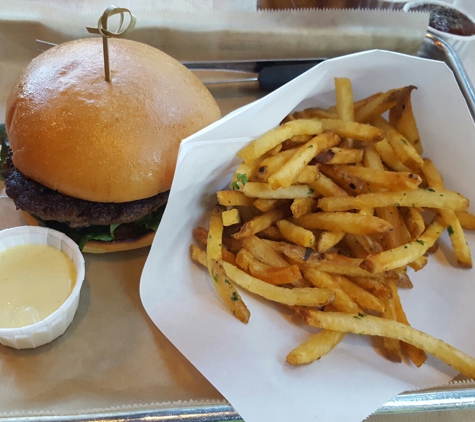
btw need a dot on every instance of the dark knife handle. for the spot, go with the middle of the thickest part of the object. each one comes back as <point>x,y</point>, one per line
<point>273,77</point>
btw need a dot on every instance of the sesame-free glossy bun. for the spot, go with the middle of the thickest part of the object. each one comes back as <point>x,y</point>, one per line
<point>117,141</point>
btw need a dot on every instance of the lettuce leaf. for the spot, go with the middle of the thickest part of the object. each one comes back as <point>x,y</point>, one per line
<point>82,235</point>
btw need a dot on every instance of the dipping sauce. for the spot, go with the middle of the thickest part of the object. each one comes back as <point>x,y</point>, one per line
<point>446,19</point>
<point>35,280</point>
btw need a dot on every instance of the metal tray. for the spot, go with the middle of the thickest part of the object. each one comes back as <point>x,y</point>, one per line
<point>455,396</point>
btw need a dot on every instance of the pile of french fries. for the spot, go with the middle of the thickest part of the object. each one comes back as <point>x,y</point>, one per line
<point>325,215</point>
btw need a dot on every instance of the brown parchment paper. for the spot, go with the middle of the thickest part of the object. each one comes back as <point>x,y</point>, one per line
<point>112,356</point>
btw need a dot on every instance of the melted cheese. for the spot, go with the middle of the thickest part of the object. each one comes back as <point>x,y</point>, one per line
<point>35,280</point>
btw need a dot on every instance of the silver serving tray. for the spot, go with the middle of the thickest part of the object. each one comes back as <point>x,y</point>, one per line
<point>459,395</point>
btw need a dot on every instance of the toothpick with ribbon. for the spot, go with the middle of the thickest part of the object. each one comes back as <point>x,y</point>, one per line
<point>106,33</point>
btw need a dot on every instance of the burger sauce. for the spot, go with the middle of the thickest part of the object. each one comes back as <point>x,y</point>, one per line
<point>35,280</point>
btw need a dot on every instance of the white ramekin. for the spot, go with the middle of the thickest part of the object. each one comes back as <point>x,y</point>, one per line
<point>54,325</point>
<point>444,35</point>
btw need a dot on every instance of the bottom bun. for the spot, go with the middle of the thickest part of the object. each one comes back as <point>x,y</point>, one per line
<point>98,246</point>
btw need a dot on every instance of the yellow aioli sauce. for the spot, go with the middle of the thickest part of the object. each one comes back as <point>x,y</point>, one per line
<point>35,280</point>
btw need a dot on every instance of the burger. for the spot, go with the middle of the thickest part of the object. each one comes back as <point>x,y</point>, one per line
<point>96,159</point>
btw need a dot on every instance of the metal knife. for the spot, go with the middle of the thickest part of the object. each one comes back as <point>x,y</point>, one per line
<point>269,74</point>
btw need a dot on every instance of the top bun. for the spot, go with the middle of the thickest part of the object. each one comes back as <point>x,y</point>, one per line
<point>117,141</point>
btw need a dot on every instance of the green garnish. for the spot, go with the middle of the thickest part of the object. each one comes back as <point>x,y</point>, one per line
<point>420,241</point>
<point>242,178</point>
<point>235,297</point>
<point>450,230</point>
<point>310,192</point>
<point>235,186</point>
<point>430,189</point>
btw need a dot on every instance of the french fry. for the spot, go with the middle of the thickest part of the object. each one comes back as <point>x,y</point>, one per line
<point>276,276</point>
<point>386,151</point>
<point>433,198</point>
<point>326,187</point>
<point>298,296</point>
<point>296,234</point>
<point>402,147</point>
<point>414,221</point>
<point>404,254</point>
<point>301,206</point>
<point>242,174</point>
<point>374,286</point>
<point>328,239</point>
<point>361,246</point>
<point>263,190</point>
<point>358,105</point>
<point>402,118</point>
<point>198,255</point>
<point>331,263</point>
<point>342,301</point>
<point>385,179</point>
<point>214,241</point>
<point>269,140</point>
<point>344,99</point>
<point>269,165</point>
<point>273,275</point>
<point>266,205</point>
<point>295,141</point>
<point>231,217</point>
<point>391,347</point>
<point>223,286</point>
<point>260,223</point>
<point>313,113</point>
<point>201,235</point>
<point>374,326</point>
<point>454,228</point>
<point>283,177</point>
<point>271,233</point>
<point>354,130</point>
<point>338,155</point>
<point>232,198</point>
<point>376,105</point>
<point>400,234</point>
<point>343,221</point>
<point>263,252</point>
<point>314,348</point>
<point>307,175</point>
<point>363,298</point>
<point>350,183</point>
<point>417,356</point>
<point>467,220</point>
<point>419,263</point>
<point>400,278</point>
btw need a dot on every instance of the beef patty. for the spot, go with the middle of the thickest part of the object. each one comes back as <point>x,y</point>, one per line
<point>47,204</point>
